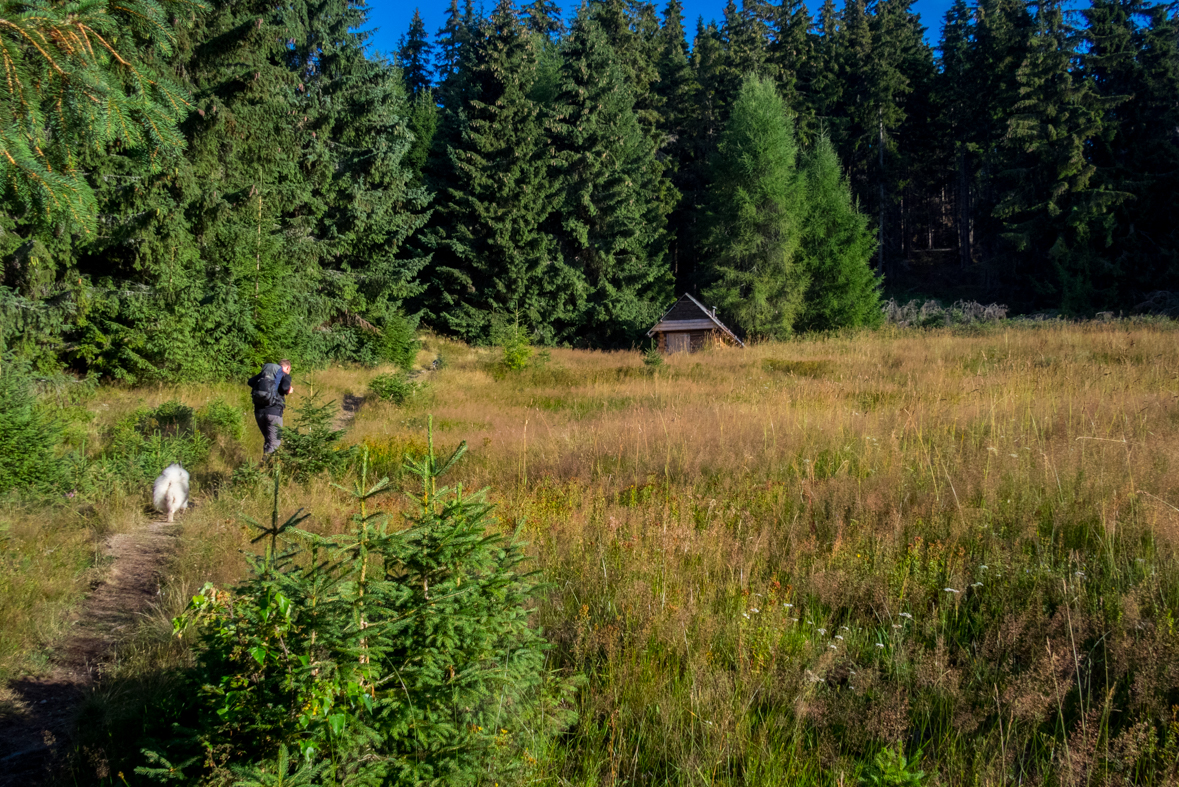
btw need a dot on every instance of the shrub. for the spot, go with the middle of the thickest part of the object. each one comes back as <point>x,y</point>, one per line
<point>652,357</point>
<point>383,655</point>
<point>400,342</point>
<point>141,445</point>
<point>517,351</point>
<point>395,388</point>
<point>311,445</point>
<point>217,418</point>
<point>28,437</point>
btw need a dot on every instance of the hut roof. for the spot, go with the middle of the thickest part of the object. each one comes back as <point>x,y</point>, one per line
<point>689,314</point>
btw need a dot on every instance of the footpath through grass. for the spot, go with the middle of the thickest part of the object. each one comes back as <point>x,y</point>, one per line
<point>783,565</point>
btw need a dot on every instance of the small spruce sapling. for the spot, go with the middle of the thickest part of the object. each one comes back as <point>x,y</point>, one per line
<point>312,445</point>
<point>652,358</point>
<point>383,655</point>
<point>517,350</point>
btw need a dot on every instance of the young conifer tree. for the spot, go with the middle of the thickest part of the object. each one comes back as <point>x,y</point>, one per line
<point>837,247</point>
<point>611,225</point>
<point>384,655</point>
<point>755,216</point>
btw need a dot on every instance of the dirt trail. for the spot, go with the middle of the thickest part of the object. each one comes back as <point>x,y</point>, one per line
<point>36,719</point>
<point>348,409</point>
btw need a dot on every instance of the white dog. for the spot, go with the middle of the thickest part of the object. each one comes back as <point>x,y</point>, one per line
<point>170,493</point>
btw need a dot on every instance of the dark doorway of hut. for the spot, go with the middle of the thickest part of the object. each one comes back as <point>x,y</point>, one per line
<point>689,326</point>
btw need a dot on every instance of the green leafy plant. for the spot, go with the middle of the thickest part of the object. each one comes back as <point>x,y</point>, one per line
<point>892,769</point>
<point>395,387</point>
<point>383,655</point>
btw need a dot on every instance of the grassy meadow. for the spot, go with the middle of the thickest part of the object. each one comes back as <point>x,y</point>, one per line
<point>778,565</point>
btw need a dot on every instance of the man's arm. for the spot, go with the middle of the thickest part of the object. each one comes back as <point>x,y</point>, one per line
<point>284,385</point>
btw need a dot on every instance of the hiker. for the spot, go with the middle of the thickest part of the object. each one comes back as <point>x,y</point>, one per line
<point>270,387</point>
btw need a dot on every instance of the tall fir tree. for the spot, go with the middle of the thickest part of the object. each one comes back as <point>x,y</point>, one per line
<point>543,17</point>
<point>1056,218</point>
<point>676,91</point>
<point>611,223</point>
<point>836,249</point>
<point>956,108</point>
<point>755,216</point>
<point>494,262</point>
<point>790,57</point>
<point>415,55</point>
<point>1137,151</point>
<point>1001,35</point>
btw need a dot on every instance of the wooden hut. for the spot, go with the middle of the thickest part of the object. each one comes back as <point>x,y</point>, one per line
<point>688,326</point>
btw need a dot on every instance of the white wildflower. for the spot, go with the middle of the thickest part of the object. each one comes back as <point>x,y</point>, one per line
<point>951,590</point>
<point>880,644</point>
<point>906,615</point>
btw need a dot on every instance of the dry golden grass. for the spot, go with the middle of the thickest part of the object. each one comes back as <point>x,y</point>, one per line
<point>748,550</point>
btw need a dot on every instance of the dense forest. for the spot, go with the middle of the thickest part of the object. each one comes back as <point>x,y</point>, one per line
<point>189,189</point>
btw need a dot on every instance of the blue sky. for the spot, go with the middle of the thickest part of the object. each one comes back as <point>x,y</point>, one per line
<point>391,17</point>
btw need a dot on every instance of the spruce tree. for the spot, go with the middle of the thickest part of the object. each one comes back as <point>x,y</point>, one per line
<point>1001,35</point>
<point>493,258</point>
<point>1134,69</point>
<point>611,225</point>
<point>543,17</point>
<point>414,55</point>
<point>755,216</point>
<point>676,91</point>
<point>790,57</point>
<point>956,104</point>
<point>76,82</point>
<point>1055,219</point>
<point>836,249</point>
<point>371,206</point>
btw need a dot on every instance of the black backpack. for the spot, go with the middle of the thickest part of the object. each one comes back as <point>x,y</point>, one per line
<point>265,393</point>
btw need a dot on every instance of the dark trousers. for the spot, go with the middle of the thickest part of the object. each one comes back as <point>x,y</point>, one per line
<point>269,425</point>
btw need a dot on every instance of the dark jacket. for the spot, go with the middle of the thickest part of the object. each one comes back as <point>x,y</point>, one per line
<point>284,388</point>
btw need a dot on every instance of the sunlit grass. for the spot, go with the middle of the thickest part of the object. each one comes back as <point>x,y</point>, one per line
<point>771,563</point>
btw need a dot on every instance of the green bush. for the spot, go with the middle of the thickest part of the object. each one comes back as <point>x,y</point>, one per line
<point>652,358</point>
<point>396,388</point>
<point>385,655</point>
<point>140,446</point>
<point>400,343</point>
<point>517,351</point>
<point>28,437</point>
<point>217,418</point>
<point>311,445</point>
